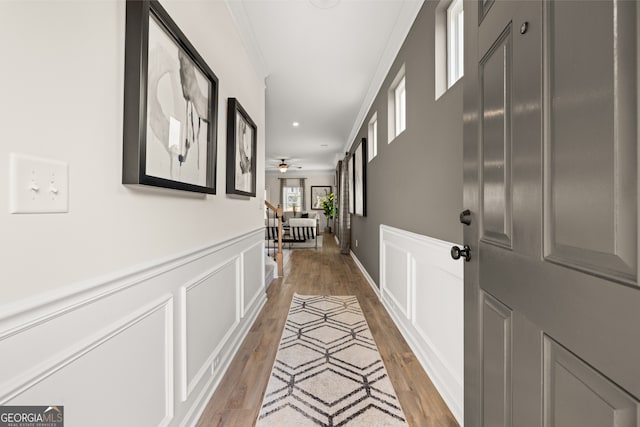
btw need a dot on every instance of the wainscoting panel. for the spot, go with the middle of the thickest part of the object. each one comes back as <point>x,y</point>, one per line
<point>98,373</point>
<point>252,271</point>
<point>152,342</point>
<point>422,289</point>
<point>396,276</point>
<point>210,313</point>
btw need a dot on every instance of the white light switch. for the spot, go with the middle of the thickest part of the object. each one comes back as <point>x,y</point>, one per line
<point>37,185</point>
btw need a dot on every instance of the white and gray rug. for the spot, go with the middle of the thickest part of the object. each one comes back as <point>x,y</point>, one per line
<point>328,371</point>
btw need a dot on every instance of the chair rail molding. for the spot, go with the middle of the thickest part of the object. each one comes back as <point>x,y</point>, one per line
<point>166,331</point>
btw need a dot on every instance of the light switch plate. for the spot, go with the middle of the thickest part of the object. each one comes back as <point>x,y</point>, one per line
<point>37,185</point>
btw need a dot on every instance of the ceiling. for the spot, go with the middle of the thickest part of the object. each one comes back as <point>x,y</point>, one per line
<point>323,62</point>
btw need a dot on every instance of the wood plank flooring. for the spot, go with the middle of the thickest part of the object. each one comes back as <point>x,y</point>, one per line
<point>322,271</point>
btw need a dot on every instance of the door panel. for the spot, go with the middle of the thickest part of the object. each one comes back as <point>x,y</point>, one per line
<point>550,157</point>
<point>591,137</point>
<point>578,396</point>
<point>496,363</point>
<point>495,82</point>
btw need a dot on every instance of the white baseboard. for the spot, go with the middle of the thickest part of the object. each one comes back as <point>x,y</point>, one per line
<point>366,275</point>
<point>200,404</point>
<point>167,331</point>
<point>445,377</point>
<point>421,288</point>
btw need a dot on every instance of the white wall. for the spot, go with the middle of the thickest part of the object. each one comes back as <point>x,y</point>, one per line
<point>62,98</point>
<point>138,297</point>
<point>272,183</point>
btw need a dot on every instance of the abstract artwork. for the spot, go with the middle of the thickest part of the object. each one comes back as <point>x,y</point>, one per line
<point>170,105</point>
<point>241,150</point>
<point>359,178</point>
<point>350,186</point>
<point>317,194</point>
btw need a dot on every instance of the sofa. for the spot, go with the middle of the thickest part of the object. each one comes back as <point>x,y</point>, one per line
<point>295,229</point>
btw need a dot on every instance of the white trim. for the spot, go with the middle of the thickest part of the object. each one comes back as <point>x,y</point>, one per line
<point>372,137</point>
<point>365,273</point>
<point>428,358</point>
<point>99,312</point>
<point>400,106</point>
<point>261,288</point>
<point>404,306</point>
<point>38,374</point>
<point>433,255</point>
<point>195,411</point>
<point>396,116</point>
<point>247,36</point>
<point>187,385</point>
<point>19,316</point>
<point>405,20</point>
<point>455,42</point>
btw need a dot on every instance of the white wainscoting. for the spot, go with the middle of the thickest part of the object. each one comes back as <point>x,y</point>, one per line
<point>146,347</point>
<point>422,289</point>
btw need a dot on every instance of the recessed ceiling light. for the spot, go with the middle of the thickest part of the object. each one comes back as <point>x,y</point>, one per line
<point>324,4</point>
<point>295,124</point>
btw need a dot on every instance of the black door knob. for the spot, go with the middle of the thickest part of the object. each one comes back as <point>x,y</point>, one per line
<point>465,217</point>
<point>465,252</point>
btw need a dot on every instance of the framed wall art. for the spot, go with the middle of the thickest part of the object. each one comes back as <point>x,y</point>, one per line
<point>241,150</point>
<point>319,192</point>
<point>170,105</point>
<point>350,185</point>
<point>360,178</point>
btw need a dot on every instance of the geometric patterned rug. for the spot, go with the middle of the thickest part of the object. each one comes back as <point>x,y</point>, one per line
<point>328,371</point>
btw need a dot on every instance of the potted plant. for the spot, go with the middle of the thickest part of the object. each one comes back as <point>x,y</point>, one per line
<point>329,208</point>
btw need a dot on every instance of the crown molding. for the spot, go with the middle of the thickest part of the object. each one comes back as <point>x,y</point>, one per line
<point>245,31</point>
<point>406,17</point>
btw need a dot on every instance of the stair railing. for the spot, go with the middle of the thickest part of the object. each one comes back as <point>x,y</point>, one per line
<point>277,217</point>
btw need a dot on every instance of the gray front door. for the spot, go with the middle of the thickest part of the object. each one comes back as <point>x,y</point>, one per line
<point>552,302</point>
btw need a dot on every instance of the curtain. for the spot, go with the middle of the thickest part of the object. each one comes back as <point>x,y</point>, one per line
<point>343,217</point>
<point>303,191</point>
<point>282,184</point>
<point>336,200</point>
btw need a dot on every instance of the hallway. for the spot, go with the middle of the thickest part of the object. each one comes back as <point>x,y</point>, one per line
<point>237,399</point>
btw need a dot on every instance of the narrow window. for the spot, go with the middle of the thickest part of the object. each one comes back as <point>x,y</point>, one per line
<point>401,107</point>
<point>397,106</point>
<point>372,141</point>
<point>455,40</point>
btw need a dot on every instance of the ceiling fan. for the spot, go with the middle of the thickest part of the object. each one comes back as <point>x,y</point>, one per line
<point>283,166</point>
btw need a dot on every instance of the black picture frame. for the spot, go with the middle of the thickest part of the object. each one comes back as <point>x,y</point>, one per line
<point>159,149</point>
<point>318,192</point>
<point>360,178</point>
<point>241,166</point>
<point>350,186</point>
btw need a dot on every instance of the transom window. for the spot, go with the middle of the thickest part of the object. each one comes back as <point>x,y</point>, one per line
<point>372,141</point>
<point>397,105</point>
<point>455,42</point>
<point>400,107</point>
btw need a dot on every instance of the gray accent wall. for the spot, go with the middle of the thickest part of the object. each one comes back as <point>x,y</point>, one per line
<point>415,182</point>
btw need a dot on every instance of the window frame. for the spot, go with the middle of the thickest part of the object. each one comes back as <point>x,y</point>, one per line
<point>372,139</point>
<point>397,106</point>
<point>400,106</point>
<point>455,41</point>
<point>285,203</point>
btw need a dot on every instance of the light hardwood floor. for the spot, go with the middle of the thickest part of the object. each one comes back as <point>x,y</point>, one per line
<point>323,271</point>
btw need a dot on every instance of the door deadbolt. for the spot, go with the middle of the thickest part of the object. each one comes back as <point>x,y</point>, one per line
<point>465,217</point>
